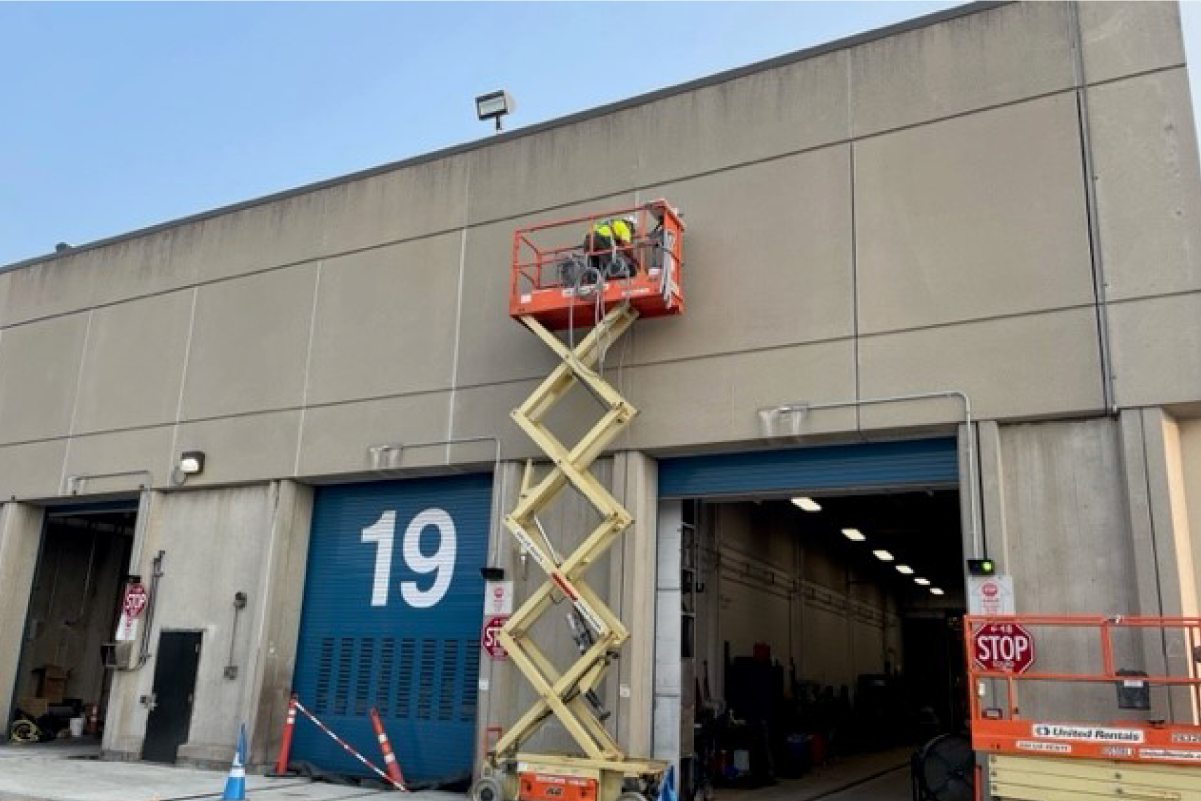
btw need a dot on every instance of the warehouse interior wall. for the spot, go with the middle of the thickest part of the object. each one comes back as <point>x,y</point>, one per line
<point>762,558</point>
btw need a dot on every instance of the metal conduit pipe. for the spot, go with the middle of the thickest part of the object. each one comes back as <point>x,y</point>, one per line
<point>973,489</point>
<point>1096,255</point>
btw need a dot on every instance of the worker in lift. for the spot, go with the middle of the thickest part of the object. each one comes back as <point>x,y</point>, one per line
<point>610,247</point>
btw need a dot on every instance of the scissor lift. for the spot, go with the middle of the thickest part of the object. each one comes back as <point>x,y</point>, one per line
<point>558,284</point>
<point>1148,746</point>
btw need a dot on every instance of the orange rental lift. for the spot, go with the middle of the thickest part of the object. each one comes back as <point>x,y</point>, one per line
<point>563,279</point>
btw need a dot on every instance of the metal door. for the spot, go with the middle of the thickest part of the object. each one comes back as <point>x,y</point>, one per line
<point>175,665</point>
<point>393,607</point>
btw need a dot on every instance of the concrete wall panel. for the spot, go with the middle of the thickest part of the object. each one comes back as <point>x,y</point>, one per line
<point>968,63</point>
<point>1148,187</point>
<point>336,438</point>
<point>133,365</point>
<point>978,216</point>
<point>245,448</point>
<point>39,371</point>
<point>1123,38</point>
<point>32,470</point>
<point>373,334</point>
<point>258,238</point>
<point>196,592</point>
<point>249,344</point>
<point>397,205</point>
<point>568,165</point>
<point>1157,349</point>
<point>93,458</point>
<point>717,399</point>
<point>1034,365</point>
<point>798,106</point>
<point>767,258</point>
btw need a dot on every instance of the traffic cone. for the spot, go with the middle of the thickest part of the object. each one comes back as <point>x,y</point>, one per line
<point>235,785</point>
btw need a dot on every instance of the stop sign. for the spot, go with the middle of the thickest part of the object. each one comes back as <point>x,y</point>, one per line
<point>1003,647</point>
<point>490,636</point>
<point>135,600</point>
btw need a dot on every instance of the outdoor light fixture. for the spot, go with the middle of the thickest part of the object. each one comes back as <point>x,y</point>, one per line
<point>191,462</point>
<point>853,534</point>
<point>493,106</point>
<point>492,573</point>
<point>923,582</point>
<point>935,591</point>
<point>808,504</point>
<point>883,556</point>
<point>905,570</point>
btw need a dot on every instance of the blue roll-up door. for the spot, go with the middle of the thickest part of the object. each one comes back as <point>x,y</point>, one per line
<point>392,613</point>
<point>879,465</point>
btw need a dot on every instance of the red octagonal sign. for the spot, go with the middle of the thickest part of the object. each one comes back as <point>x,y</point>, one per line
<point>490,636</point>
<point>1003,647</point>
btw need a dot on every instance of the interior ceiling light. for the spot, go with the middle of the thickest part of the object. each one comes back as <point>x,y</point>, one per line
<point>905,570</point>
<point>808,504</point>
<point>883,556</point>
<point>853,534</point>
<point>924,582</point>
<point>935,591</point>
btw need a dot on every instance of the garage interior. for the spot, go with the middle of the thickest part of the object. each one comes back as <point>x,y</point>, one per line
<point>822,635</point>
<point>73,610</point>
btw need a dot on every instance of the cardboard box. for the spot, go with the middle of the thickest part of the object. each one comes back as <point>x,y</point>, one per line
<point>35,707</point>
<point>52,683</point>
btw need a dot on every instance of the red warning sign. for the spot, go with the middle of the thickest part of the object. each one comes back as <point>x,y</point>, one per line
<point>490,636</point>
<point>1003,647</point>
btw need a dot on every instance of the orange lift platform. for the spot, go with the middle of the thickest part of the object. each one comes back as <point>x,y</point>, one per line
<point>558,280</point>
<point>1086,706</point>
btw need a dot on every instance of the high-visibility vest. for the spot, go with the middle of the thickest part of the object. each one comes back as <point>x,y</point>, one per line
<point>616,230</point>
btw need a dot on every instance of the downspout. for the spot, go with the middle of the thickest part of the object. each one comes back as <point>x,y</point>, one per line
<point>1100,286</point>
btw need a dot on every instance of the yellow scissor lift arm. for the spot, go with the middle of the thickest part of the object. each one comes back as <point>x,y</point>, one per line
<point>564,695</point>
<point>554,287</point>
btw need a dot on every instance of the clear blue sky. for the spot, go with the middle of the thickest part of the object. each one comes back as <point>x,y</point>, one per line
<point>114,116</point>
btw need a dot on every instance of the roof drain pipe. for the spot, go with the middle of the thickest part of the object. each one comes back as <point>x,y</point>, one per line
<point>1100,299</point>
<point>796,411</point>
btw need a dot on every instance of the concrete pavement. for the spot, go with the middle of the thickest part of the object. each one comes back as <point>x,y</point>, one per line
<point>71,771</point>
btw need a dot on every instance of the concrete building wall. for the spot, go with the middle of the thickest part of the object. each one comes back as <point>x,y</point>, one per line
<point>916,194</point>
<point>216,543</point>
<point>1002,201</point>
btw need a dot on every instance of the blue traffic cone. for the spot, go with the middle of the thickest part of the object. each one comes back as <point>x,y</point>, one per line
<point>667,786</point>
<point>235,785</point>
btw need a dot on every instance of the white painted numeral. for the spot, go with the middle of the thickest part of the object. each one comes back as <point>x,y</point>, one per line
<point>381,532</point>
<point>441,561</point>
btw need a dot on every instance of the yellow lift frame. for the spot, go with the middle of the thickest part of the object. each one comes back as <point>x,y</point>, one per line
<point>563,695</point>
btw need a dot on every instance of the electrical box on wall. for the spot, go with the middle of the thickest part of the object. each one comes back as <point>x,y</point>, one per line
<point>117,655</point>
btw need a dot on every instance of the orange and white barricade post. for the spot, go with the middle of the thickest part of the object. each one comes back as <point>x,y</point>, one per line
<point>385,748</point>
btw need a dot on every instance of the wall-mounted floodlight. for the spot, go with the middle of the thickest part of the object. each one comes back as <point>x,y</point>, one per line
<point>494,105</point>
<point>191,462</point>
<point>808,504</point>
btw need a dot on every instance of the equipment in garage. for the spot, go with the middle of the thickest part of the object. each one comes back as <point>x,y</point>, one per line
<point>542,301</point>
<point>391,619</point>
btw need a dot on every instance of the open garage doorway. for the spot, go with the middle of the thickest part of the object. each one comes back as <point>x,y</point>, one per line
<point>819,636</point>
<point>74,607</point>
